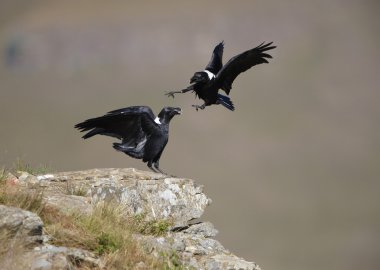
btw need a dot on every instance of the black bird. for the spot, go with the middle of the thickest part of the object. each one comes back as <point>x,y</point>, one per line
<point>142,134</point>
<point>207,83</point>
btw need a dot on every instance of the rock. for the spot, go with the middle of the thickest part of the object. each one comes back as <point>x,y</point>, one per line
<point>177,199</point>
<point>196,250</point>
<point>69,203</point>
<point>223,261</point>
<point>152,196</point>
<point>27,179</point>
<point>49,261</point>
<point>51,257</point>
<point>205,229</point>
<point>11,179</point>
<point>140,265</point>
<point>26,227</point>
<point>21,224</point>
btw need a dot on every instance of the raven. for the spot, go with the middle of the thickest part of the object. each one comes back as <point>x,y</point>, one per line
<point>207,83</point>
<point>143,136</point>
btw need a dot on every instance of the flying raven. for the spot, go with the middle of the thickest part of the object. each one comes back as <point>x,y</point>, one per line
<point>142,134</point>
<point>207,83</point>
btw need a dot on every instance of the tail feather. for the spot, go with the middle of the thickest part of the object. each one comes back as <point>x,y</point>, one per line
<point>119,147</point>
<point>93,126</point>
<point>93,132</point>
<point>226,102</point>
<point>130,151</point>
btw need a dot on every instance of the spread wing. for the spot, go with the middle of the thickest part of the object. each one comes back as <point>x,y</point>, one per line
<point>131,124</point>
<point>215,63</point>
<point>241,63</point>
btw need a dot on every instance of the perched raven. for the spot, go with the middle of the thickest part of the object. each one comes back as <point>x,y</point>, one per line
<point>207,83</point>
<point>143,136</point>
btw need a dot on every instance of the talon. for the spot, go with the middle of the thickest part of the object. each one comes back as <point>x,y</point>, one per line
<point>197,107</point>
<point>169,94</point>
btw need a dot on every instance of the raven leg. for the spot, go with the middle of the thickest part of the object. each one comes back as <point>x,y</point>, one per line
<point>171,93</point>
<point>156,165</point>
<point>197,107</point>
<point>150,165</point>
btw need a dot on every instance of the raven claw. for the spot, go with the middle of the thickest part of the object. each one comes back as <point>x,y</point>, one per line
<point>170,94</point>
<point>197,107</point>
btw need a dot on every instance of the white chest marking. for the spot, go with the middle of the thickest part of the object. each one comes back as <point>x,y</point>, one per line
<point>157,120</point>
<point>210,74</point>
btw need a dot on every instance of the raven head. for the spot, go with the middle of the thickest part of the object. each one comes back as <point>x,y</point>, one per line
<point>167,113</point>
<point>200,77</point>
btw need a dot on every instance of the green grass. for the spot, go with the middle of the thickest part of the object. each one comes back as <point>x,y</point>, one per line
<point>75,190</point>
<point>153,227</point>
<point>171,261</point>
<point>21,165</point>
<point>3,175</point>
<point>108,233</point>
<point>12,252</point>
<point>13,195</point>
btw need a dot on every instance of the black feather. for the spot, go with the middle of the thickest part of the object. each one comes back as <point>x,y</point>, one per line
<point>216,61</point>
<point>207,87</point>
<point>141,136</point>
<point>241,63</point>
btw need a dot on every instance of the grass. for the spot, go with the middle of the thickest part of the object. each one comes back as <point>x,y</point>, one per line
<point>13,195</point>
<point>12,252</point>
<point>21,165</point>
<point>3,175</point>
<point>153,227</point>
<point>12,249</point>
<point>106,232</point>
<point>171,261</point>
<point>75,190</point>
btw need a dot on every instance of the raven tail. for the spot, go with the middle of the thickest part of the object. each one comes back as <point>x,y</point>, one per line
<point>130,151</point>
<point>226,102</point>
<point>93,132</point>
<point>120,147</point>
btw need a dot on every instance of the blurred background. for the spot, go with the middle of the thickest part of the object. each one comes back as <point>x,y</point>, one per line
<point>293,173</point>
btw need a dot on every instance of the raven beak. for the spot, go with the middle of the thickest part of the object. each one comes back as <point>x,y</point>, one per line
<point>193,80</point>
<point>178,111</point>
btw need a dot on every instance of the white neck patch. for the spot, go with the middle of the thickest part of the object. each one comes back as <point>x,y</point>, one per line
<point>210,74</point>
<point>157,120</point>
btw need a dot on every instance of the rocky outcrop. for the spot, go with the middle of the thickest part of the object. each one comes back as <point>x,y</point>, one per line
<point>149,195</point>
<point>25,230</point>
<point>21,224</point>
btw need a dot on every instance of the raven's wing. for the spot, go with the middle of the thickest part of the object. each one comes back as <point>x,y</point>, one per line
<point>241,63</point>
<point>215,63</point>
<point>131,124</point>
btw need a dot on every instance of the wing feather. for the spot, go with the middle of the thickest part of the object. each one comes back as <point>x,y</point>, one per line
<point>216,63</point>
<point>131,124</point>
<point>240,63</point>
